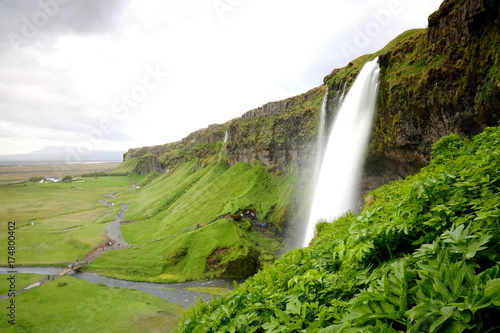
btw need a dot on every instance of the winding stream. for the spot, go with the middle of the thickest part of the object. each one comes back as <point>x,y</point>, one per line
<point>172,292</point>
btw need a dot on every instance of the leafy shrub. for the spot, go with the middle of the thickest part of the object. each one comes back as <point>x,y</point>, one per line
<point>67,179</point>
<point>447,148</point>
<point>35,179</point>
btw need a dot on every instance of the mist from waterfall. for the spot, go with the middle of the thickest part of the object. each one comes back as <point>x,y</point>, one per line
<point>339,168</point>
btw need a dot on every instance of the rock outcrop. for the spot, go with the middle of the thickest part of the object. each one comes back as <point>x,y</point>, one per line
<point>456,24</point>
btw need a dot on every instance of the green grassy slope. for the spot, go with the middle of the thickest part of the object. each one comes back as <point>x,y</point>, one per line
<point>423,256</point>
<point>71,305</point>
<point>126,167</point>
<point>165,213</point>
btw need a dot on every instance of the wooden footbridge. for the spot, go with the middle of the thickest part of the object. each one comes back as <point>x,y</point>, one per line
<point>72,267</point>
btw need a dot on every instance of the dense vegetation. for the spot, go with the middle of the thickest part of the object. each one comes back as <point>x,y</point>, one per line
<point>421,257</point>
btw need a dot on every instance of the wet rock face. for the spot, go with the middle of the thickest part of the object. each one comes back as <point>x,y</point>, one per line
<point>279,134</point>
<point>280,141</point>
<point>456,21</point>
<point>149,164</point>
<point>442,81</point>
<point>379,170</point>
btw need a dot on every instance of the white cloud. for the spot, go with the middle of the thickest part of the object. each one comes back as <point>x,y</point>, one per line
<point>65,81</point>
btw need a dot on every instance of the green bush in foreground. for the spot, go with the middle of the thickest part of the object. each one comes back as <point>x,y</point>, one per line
<point>423,257</point>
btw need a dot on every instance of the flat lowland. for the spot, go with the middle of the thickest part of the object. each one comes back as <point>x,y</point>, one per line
<point>71,305</point>
<point>57,223</point>
<point>22,280</point>
<point>22,172</point>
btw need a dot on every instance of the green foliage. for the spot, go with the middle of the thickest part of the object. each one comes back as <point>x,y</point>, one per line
<point>423,257</point>
<point>447,148</point>
<point>35,179</point>
<point>67,179</point>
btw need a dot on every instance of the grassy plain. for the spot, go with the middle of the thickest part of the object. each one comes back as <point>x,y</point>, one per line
<point>57,222</point>
<point>14,173</point>
<point>71,305</point>
<point>22,280</point>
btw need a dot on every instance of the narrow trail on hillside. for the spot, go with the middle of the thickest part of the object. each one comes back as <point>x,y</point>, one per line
<point>114,238</point>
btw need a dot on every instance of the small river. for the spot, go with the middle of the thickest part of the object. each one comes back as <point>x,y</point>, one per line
<point>175,292</point>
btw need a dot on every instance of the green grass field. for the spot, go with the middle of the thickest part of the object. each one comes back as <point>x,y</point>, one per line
<point>20,172</point>
<point>71,305</point>
<point>68,219</point>
<point>22,280</point>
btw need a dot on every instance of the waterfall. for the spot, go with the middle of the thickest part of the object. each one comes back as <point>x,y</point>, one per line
<point>320,144</point>
<point>223,149</point>
<point>323,128</point>
<point>342,162</point>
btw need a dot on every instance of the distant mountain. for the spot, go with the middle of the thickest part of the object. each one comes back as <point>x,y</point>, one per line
<point>66,153</point>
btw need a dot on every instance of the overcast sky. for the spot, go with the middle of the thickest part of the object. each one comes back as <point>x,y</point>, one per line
<point>117,74</point>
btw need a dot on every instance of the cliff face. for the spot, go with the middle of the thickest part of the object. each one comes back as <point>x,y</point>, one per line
<point>434,82</point>
<point>451,79</point>
<point>280,134</point>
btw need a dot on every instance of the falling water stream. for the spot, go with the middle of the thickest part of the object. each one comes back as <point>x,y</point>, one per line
<point>341,165</point>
